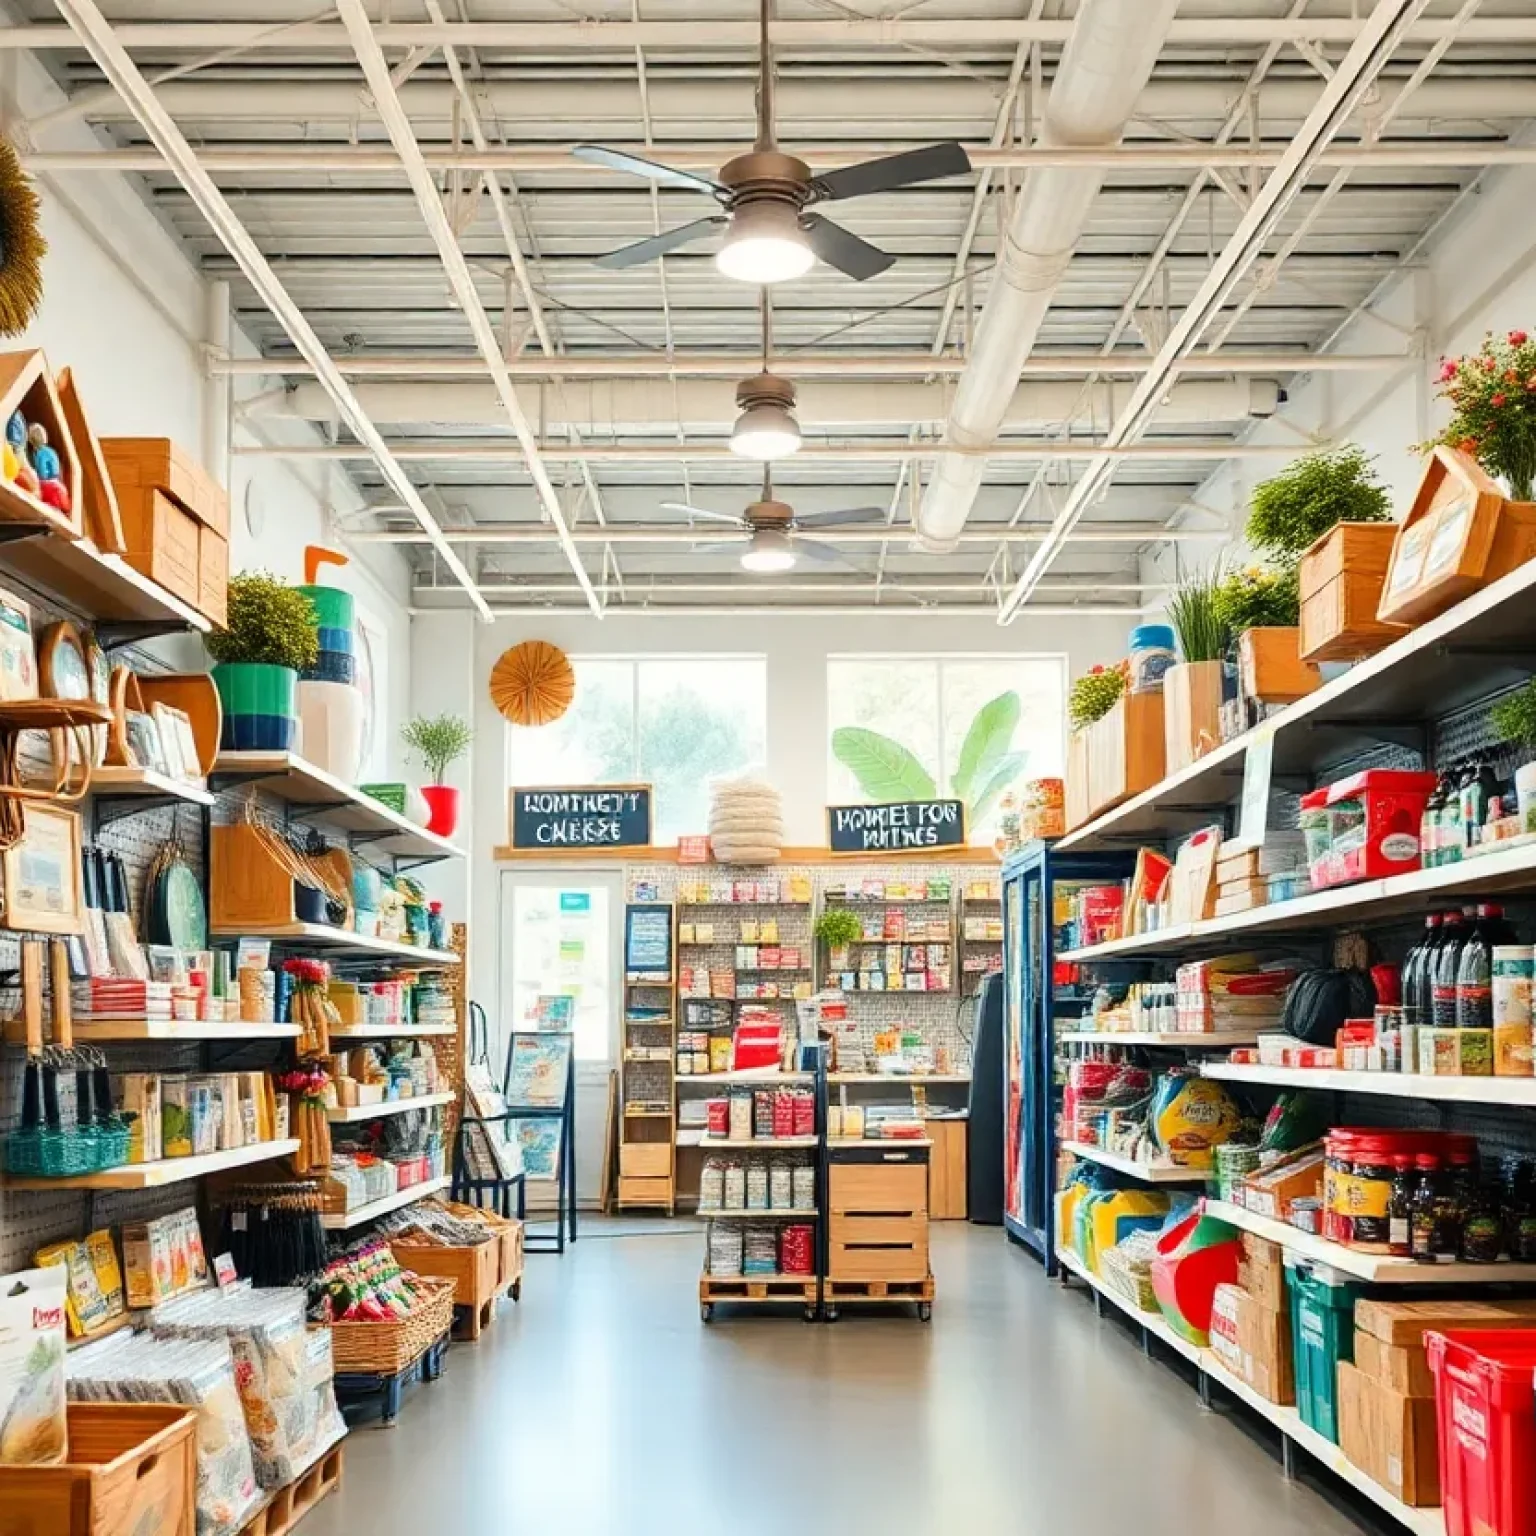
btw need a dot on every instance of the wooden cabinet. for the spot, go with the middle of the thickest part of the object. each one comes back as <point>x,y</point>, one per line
<point>948,1199</point>
<point>877,1197</point>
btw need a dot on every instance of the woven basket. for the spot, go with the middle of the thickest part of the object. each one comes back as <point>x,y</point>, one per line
<point>382,1349</point>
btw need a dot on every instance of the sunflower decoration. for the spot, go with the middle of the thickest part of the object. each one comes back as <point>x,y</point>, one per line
<point>533,683</point>
<point>22,246</point>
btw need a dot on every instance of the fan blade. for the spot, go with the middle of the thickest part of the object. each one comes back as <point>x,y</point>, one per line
<point>731,546</point>
<point>821,552</point>
<point>893,172</point>
<point>713,517</point>
<point>634,165</point>
<point>843,516</point>
<point>844,250</point>
<point>658,245</point>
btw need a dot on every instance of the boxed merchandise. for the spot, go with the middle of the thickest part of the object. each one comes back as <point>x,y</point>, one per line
<point>137,1097</point>
<point>162,1258</point>
<point>1274,1191</point>
<point>94,1287</point>
<point>1252,1338</point>
<point>1261,1271</point>
<point>1365,827</point>
<point>1392,1438</point>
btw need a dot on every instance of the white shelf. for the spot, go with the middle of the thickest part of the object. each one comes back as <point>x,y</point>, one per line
<point>1179,1039</point>
<point>1148,1173</point>
<point>745,1215</point>
<point>1380,1268</point>
<point>1422,1522</point>
<point>345,1221</point>
<point>355,1112</point>
<point>337,940</point>
<point>392,1032</point>
<point>899,1077</point>
<point>336,803</point>
<point>1393,1085</point>
<point>745,1075</point>
<point>105,1031</point>
<point>170,1170</point>
<point>147,781</point>
<point>754,1144</point>
<point>1463,655</point>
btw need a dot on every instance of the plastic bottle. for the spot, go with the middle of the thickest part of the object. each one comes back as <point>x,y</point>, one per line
<point>1447,963</point>
<point>1474,978</point>
<point>1479,787</point>
<point>1449,841</point>
<point>1413,966</point>
<point>1429,825</point>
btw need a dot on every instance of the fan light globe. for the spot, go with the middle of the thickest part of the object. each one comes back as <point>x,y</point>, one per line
<point>765,245</point>
<point>765,432</point>
<point>769,553</point>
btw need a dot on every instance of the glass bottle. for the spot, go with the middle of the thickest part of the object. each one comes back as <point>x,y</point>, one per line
<point>1520,1208</point>
<point>1474,977</point>
<point>1447,963</point>
<point>1436,1219</point>
<point>1413,967</point>
<point>1481,1233</point>
<point>1400,1207</point>
<point>1429,825</point>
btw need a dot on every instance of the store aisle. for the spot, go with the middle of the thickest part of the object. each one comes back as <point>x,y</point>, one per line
<point>602,1405</point>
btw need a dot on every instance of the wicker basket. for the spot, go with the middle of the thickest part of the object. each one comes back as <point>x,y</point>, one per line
<point>382,1349</point>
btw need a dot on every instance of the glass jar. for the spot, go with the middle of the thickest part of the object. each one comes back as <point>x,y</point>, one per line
<point>1400,1207</point>
<point>1436,1222</point>
<point>1366,1192</point>
<point>1151,654</point>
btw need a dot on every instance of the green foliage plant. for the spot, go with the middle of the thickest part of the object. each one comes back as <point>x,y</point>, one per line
<point>1094,694</point>
<point>837,928</point>
<point>269,623</point>
<point>1256,598</point>
<point>1196,615</point>
<point>1292,510</point>
<point>1493,408</point>
<point>437,740</point>
<point>1513,718</point>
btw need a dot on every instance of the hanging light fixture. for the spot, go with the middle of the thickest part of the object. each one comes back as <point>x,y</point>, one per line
<point>765,244</point>
<point>769,553</point>
<point>766,428</point>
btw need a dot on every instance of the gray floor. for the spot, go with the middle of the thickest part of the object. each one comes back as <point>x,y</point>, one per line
<point>601,1405</point>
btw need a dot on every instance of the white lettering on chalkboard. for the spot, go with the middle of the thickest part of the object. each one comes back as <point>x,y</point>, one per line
<point>918,824</point>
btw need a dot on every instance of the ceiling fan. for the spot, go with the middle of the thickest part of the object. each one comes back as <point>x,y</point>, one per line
<point>775,526</point>
<point>770,237</point>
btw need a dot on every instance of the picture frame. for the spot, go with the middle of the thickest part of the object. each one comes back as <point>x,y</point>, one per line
<point>42,872</point>
<point>100,670</point>
<point>170,741</point>
<point>62,670</point>
<point>18,654</point>
<point>186,741</point>
<point>144,749</point>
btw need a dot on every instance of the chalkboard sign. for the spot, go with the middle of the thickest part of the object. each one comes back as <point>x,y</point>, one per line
<point>897,827</point>
<point>583,816</point>
<point>648,939</point>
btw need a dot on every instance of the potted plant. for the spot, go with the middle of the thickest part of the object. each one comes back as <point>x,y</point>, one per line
<point>1329,515</point>
<point>270,635</point>
<point>1262,607</point>
<point>1192,687</point>
<point>1493,408</point>
<point>838,928</point>
<point>439,741</point>
<point>1513,720</point>
<point>1094,694</point>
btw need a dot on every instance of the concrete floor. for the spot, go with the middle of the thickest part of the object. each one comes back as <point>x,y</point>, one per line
<point>602,1405</point>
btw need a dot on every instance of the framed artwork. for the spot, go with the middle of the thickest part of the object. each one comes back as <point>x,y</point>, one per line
<point>539,1070</point>
<point>170,742</point>
<point>42,872</point>
<point>62,670</point>
<point>144,748</point>
<point>18,656</point>
<point>540,1141</point>
<point>100,670</point>
<point>186,740</point>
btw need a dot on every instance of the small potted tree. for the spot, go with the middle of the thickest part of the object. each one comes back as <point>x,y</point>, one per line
<point>1192,687</point>
<point>269,636</point>
<point>1513,720</point>
<point>1328,515</point>
<point>1262,608</point>
<point>838,928</point>
<point>439,741</point>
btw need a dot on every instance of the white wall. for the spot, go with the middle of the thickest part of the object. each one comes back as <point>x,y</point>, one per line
<point>796,650</point>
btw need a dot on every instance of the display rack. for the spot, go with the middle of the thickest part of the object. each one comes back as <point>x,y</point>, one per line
<point>647,1098</point>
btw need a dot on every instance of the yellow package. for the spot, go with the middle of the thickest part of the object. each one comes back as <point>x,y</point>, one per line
<point>109,1274</point>
<point>1113,1216</point>
<point>85,1308</point>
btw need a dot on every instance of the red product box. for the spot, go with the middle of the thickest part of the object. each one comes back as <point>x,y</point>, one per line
<point>805,1113</point>
<point>795,1249</point>
<point>783,1114</point>
<point>756,1045</point>
<point>1374,828</point>
<point>719,1111</point>
<point>1101,907</point>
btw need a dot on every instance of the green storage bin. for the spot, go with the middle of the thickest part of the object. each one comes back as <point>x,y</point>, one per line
<point>1323,1333</point>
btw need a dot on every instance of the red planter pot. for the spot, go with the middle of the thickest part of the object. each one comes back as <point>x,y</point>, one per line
<point>443,800</point>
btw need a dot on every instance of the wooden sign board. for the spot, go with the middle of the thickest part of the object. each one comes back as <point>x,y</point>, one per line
<point>554,819</point>
<point>902,826</point>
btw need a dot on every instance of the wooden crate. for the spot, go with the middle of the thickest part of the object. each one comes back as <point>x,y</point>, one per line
<point>213,575</point>
<point>161,537</point>
<point>1341,577</point>
<point>1270,668</point>
<point>27,386</point>
<point>1191,712</point>
<point>1126,751</point>
<point>132,1469</point>
<point>1460,534</point>
<point>878,1247</point>
<point>857,1187</point>
<point>513,1249</point>
<point>645,1160</point>
<point>475,1271</point>
<point>647,1193</point>
<point>156,463</point>
<point>289,1504</point>
<point>948,1192</point>
<point>1079,796</point>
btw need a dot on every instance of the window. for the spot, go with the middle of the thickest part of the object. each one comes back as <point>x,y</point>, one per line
<point>910,727</point>
<point>674,722</point>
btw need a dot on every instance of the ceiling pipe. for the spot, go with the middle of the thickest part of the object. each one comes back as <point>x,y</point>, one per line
<point>747,609</point>
<point>644,586</point>
<point>95,33</point>
<point>1108,61</point>
<point>683,536</point>
<point>618,406</point>
<point>849,365</point>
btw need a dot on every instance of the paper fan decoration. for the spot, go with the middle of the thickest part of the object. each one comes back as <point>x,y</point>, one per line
<point>533,683</point>
<point>22,246</point>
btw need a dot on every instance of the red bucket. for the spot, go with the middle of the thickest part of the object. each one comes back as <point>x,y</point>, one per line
<point>1487,1430</point>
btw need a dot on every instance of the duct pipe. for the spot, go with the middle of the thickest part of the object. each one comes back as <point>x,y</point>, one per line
<point>748,609</point>
<point>684,536</point>
<point>1107,63</point>
<point>619,406</point>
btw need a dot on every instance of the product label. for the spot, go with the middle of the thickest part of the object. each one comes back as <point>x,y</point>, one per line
<point>1400,847</point>
<point>1357,1195</point>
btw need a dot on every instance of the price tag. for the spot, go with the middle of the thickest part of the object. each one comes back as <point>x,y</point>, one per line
<point>224,1272</point>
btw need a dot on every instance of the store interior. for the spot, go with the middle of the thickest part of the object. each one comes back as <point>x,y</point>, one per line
<point>835,857</point>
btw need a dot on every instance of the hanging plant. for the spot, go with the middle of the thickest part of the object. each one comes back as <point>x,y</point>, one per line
<point>1094,694</point>
<point>1256,598</point>
<point>1195,613</point>
<point>22,246</point>
<point>1291,511</point>
<point>1493,408</point>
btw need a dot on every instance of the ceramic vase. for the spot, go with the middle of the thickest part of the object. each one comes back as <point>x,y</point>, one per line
<point>443,800</point>
<point>331,716</point>
<point>259,706</point>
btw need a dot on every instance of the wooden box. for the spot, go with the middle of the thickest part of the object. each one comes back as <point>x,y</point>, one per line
<point>249,887</point>
<point>863,1187</point>
<point>1126,751</point>
<point>646,1192</point>
<point>948,1192</point>
<point>1191,712</point>
<point>1342,575</point>
<point>510,1272</point>
<point>1079,805</point>
<point>475,1271</point>
<point>212,575</point>
<point>193,693</point>
<point>878,1248</point>
<point>27,386</point>
<point>157,464</point>
<point>161,540</point>
<point>1270,668</point>
<point>132,1469</point>
<point>1460,534</point>
<point>645,1160</point>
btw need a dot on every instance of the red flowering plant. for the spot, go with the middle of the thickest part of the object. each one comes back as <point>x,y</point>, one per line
<point>1493,408</point>
<point>308,1080</point>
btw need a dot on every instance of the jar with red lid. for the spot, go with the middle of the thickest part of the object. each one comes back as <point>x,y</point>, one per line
<point>1366,1192</point>
<point>1338,1163</point>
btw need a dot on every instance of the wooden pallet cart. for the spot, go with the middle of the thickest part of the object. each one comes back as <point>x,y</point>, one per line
<point>877,1227</point>
<point>289,1504</point>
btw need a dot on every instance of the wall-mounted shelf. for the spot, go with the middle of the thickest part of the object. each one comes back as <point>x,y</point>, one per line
<point>1393,1085</point>
<point>102,1031</point>
<point>1175,1040</point>
<point>1148,1173</point>
<point>340,942</point>
<point>170,1170</point>
<point>314,795</point>
<point>148,783</point>
<point>344,1221</point>
<point>392,1032</point>
<point>353,1113</point>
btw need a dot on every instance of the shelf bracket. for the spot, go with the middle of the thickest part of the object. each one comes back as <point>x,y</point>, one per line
<point>1411,734</point>
<point>405,862</point>
<point>109,808</point>
<point>13,533</point>
<point>1512,656</point>
<point>111,633</point>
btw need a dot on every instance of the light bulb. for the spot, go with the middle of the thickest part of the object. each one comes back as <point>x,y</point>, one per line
<point>765,244</point>
<point>765,432</point>
<point>769,553</point>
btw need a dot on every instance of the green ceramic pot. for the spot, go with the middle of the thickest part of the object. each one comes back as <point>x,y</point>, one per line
<point>260,706</point>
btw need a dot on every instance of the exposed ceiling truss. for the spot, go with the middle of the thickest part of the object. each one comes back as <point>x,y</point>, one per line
<point>388,187</point>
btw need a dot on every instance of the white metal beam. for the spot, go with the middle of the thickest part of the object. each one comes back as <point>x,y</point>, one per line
<point>387,103</point>
<point>684,536</point>
<point>1384,30</point>
<point>91,28</point>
